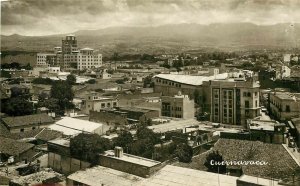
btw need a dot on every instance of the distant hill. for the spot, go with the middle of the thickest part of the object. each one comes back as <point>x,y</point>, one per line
<point>168,38</point>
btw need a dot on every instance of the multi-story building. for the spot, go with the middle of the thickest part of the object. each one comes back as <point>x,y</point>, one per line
<point>171,84</point>
<point>95,102</point>
<point>232,100</point>
<point>69,44</point>
<point>284,105</point>
<point>87,59</point>
<point>70,57</point>
<point>45,59</point>
<point>179,106</point>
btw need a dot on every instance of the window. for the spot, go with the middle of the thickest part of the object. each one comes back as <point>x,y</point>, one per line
<point>244,94</point>
<point>287,108</point>
<point>114,104</point>
<point>102,105</point>
<point>108,104</point>
<point>21,130</point>
<point>33,128</point>
<point>247,104</point>
<point>256,105</point>
<point>249,94</point>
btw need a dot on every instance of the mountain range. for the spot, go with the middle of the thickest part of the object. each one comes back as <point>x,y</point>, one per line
<point>168,38</point>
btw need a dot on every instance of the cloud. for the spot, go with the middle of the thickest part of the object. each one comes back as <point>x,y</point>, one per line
<point>40,17</point>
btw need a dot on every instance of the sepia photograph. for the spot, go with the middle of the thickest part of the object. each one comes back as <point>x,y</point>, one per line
<point>150,93</point>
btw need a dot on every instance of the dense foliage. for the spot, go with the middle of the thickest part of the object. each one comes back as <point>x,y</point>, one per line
<point>19,104</point>
<point>88,146</point>
<point>184,152</point>
<point>44,81</point>
<point>63,93</point>
<point>211,160</point>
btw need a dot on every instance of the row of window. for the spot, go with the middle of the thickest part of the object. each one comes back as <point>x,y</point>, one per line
<point>248,94</point>
<point>168,83</point>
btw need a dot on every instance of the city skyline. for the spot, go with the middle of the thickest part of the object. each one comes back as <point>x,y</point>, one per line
<point>26,17</point>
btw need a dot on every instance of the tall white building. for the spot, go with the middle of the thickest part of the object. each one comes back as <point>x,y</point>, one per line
<point>68,56</point>
<point>87,58</point>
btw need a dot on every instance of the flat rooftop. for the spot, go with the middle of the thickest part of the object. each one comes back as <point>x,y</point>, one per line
<point>262,125</point>
<point>178,176</point>
<point>62,142</point>
<point>257,180</point>
<point>287,96</point>
<point>132,159</point>
<point>99,175</point>
<point>174,125</point>
<point>169,175</point>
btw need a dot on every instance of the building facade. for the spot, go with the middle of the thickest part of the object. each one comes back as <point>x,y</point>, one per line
<point>179,106</point>
<point>95,102</point>
<point>232,101</point>
<point>69,57</point>
<point>284,105</point>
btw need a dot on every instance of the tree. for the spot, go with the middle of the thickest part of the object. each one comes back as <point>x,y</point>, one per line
<point>45,81</point>
<point>166,65</point>
<point>62,91</point>
<point>144,133</point>
<point>18,106</point>
<point>71,79</point>
<point>148,82</point>
<point>144,146</point>
<point>124,140</point>
<point>214,161</point>
<point>52,104</point>
<point>88,146</point>
<point>184,153</point>
<point>91,81</point>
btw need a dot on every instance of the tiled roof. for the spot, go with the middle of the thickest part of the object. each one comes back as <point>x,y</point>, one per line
<point>47,135</point>
<point>280,163</point>
<point>13,147</point>
<point>34,119</point>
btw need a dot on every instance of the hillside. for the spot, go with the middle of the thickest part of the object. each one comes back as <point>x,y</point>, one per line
<point>168,38</point>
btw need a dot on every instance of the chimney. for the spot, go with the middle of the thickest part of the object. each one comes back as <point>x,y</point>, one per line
<point>118,152</point>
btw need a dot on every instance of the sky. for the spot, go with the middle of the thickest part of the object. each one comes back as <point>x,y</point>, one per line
<point>46,17</point>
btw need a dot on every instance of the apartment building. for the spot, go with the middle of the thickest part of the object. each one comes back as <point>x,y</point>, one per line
<point>232,100</point>
<point>178,106</point>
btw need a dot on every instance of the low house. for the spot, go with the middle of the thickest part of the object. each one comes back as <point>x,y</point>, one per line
<point>60,159</point>
<point>135,165</point>
<point>134,114</point>
<point>72,126</point>
<point>267,131</point>
<point>27,123</point>
<point>19,150</point>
